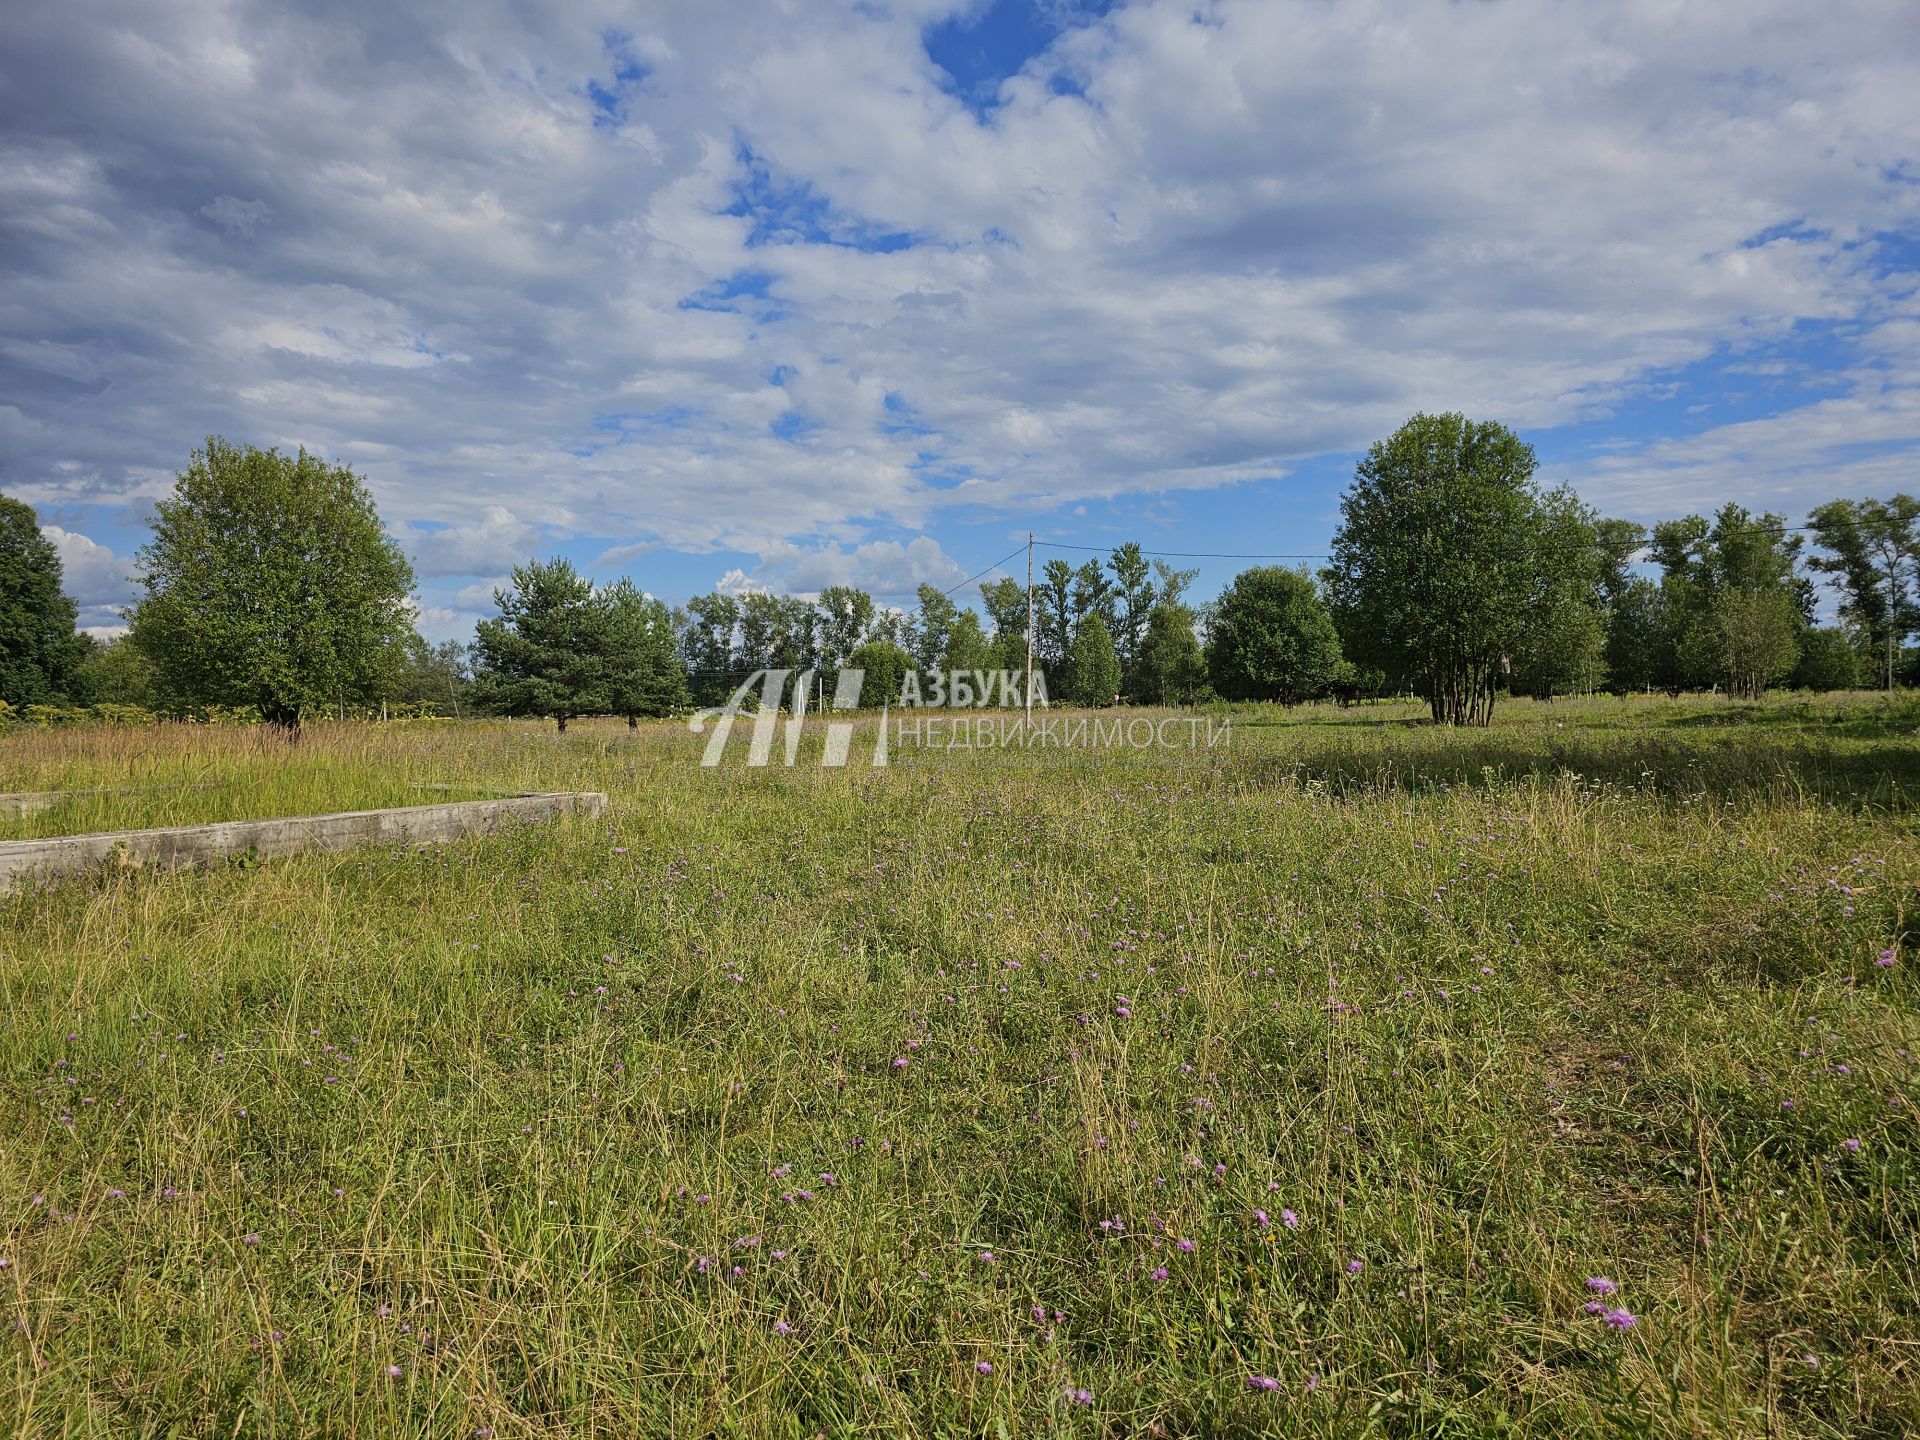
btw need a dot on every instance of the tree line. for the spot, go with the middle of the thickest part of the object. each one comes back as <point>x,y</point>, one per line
<point>270,585</point>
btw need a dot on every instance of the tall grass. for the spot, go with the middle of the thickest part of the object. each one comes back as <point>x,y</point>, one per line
<point>119,777</point>
<point>1045,1093</point>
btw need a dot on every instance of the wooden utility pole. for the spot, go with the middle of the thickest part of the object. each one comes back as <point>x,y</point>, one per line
<point>1027,684</point>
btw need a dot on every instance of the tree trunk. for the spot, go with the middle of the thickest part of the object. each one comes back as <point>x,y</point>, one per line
<point>561,720</point>
<point>633,722</point>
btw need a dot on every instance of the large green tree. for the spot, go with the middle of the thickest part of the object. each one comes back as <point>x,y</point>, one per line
<point>1562,645</point>
<point>709,644</point>
<point>777,632</point>
<point>1269,637</point>
<point>1093,666</point>
<point>1733,604</point>
<point>883,665</point>
<point>845,615</point>
<point>1748,640</point>
<point>39,649</point>
<point>968,651</point>
<point>1873,554</point>
<point>544,653</point>
<point>644,674</point>
<point>932,627</point>
<point>1828,661</point>
<point>1005,600</point>
<point>1133,600</point>
<point>1435,560</point>
<point>271,582</point>
<point>1054,618</point>
<point>1170,668</point>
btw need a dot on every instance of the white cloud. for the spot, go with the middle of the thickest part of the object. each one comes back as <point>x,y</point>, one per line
<point>1256,233</point>
<point>478,597</point>
<point>885,568</point>
<point>99,581</point>
<point>497,540</point>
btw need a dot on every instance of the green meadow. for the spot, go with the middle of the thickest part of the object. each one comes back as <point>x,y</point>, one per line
<point>1348,1077</point>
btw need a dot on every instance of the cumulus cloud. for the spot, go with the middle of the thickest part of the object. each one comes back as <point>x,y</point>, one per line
<point>497,540</point>
<point>885,568</point>
<point>99,581</point>
<point>478,597</point>
<point>760,278</point>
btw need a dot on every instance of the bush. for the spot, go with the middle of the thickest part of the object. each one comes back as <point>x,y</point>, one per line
<point>1828,661</point>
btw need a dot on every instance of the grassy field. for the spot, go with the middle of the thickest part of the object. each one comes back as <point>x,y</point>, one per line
<point>1349,1078</point>
<point>102,778</point>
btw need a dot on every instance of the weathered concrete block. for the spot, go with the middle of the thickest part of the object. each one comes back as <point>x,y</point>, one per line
<point>28,861</point>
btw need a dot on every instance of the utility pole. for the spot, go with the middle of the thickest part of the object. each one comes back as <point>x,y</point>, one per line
<point>1027,685</point>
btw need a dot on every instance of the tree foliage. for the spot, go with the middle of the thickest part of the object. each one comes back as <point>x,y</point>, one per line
<point>708,639</point>
<point>1270,637</point>
<point>436,678</point>
<point>1873,555</point>
<point>1733,604</point>
<point>271,582</point>
<point>544,653</point>
<point>1093,666</point>
<point>642,668</point>
<point>1562,643</point>
<point>1171,669</point>
<point>1435,561</point>
<point>1828,660</point>
<point>39,649</point>
<point>116,673</point>
<point>884,665</point>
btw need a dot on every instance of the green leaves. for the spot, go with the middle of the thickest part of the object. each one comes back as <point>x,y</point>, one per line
<point>1437,559</point>
<point>1271,638</point>
<point>561,648</point>
<point>1093,667</point>
<point>270,581</point>
<point>39,650</point>
<point>544,653</point>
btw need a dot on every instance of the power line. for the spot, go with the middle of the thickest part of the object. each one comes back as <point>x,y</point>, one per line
<point>1322,555</point>
<point>988,571</point>
<point>1195,554</point>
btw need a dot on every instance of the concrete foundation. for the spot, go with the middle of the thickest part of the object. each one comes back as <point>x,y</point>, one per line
<point>25,862</point>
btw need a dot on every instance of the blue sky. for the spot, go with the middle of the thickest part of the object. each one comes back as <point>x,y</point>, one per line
<point>764,295</point>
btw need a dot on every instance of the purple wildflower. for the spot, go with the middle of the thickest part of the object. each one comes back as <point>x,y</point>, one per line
<point>1601,1285</point>
<point>1262,1382</point>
